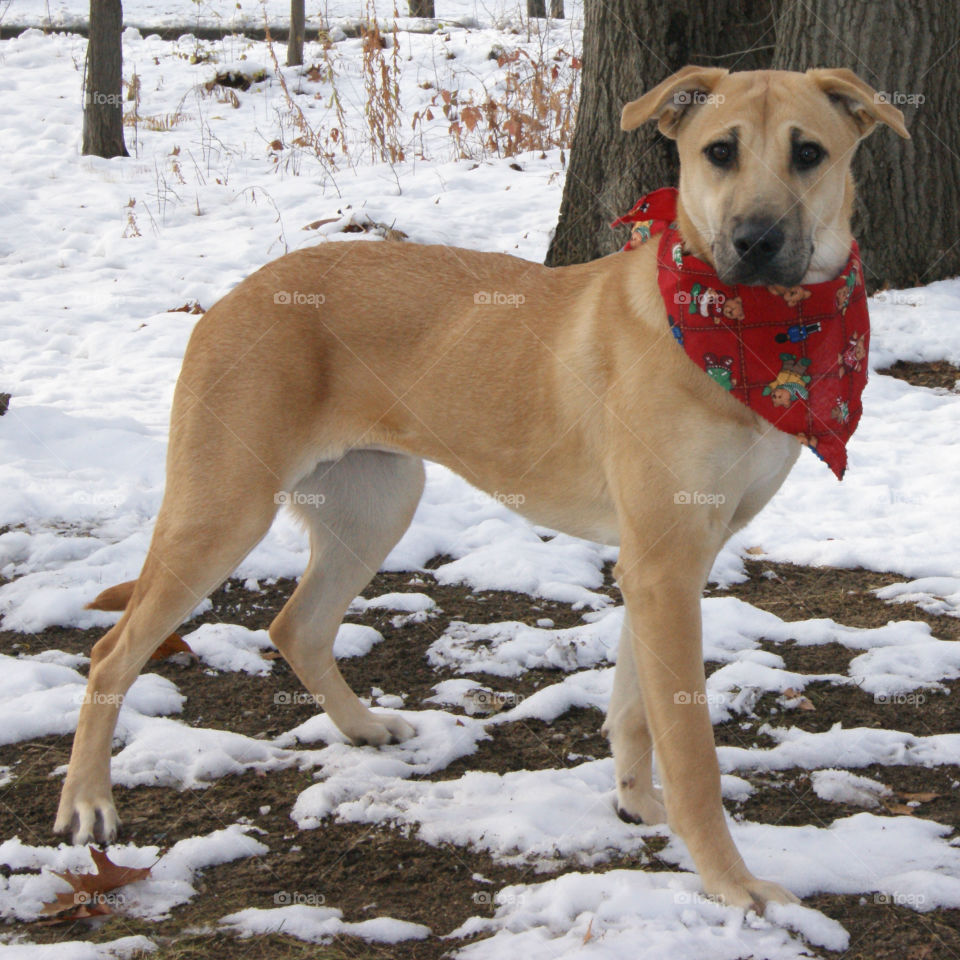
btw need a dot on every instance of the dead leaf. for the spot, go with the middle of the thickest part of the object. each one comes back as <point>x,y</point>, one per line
<point>471,116</point>
<point>317,224</point>
<point>802,702</point>
<point>918,797</point>
<point>900,809</point>
<point>271,655</point>
<point>755,551</point>
<point>315,74</point>
<point>191,306</point>
<point>86,898</point>
<point>588,936</point>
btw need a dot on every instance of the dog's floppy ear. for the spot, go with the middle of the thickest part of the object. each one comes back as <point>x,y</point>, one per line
<point>670,101</point>
<point>859,100</point>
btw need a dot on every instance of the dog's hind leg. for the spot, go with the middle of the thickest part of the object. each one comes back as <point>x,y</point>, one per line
<point>355,510</point>
<point>204,529</point>
<point>630,741</point>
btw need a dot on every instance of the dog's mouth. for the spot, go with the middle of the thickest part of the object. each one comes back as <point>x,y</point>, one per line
<point>773,275</point>
<point>762,251</point>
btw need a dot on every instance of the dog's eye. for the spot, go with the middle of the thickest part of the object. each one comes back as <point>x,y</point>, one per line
<point>721,154</point>
<point>807,155</point>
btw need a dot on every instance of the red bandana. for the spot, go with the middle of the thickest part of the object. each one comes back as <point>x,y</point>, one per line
<point>795,355</point>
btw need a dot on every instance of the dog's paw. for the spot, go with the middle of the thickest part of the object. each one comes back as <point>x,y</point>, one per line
<point>639,803</point>
<point>645,808</point>
<point>87,819</point>
<point>379,729</point>
<point>750,894</point>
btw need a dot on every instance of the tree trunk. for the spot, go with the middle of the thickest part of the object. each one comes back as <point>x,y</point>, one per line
<point>556,9</point>
<point>908,191</point>
<point>103,83</point>
<point>422,8</point>
<point>536,8</point>
<point>295,40</point>
<point>628,47</point>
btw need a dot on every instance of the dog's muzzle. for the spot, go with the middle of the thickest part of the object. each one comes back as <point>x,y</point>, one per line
<point>759,251</point>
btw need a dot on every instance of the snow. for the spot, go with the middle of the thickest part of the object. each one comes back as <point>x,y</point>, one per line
<point>162,752</point>
<point>123,948</point>
<point>39,698</point>
<point>320,924</point>
<point>90,346</point>
<point>607,915</point>
<point>350,772</point>
<point>230,647</point>
<point>170,883</point>
<point>841,786</point>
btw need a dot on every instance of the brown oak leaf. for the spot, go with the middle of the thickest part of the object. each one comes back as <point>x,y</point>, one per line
<point>87,897</point>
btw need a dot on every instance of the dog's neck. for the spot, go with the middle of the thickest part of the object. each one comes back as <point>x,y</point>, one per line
<point>692,240</point>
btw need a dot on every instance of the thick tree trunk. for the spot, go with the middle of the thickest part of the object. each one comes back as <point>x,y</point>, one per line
<point>103,83</point>
<point>422,8</point>
<point>295,40</point>
<point>536,8</point>
<point>556,9</point>
<point>628,47</point>
<point>906,221</point>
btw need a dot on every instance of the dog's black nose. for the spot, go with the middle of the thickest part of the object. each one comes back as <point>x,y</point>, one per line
<point>758,240</point>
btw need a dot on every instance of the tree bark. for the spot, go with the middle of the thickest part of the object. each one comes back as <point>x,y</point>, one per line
<point>536,8</point>
<point>103,83</point>
<point>422,8</point>
<point>908,192</point>
<point>295,40</point>
<point>628,47</point>
<point>556,9</point>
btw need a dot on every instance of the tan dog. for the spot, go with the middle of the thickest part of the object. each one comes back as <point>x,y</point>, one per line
<point>325,377</point>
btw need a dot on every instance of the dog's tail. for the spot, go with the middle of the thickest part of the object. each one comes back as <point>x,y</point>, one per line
<point>113,598</point>
<point>117,597</point>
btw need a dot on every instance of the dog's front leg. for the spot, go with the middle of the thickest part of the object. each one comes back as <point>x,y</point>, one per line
<point>662,574</point>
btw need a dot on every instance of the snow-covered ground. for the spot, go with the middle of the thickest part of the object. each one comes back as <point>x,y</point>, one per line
<point>94,256</point>
<point>233,15</point>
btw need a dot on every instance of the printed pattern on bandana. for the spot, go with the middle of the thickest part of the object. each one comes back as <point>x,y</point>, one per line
<point>797,356</point>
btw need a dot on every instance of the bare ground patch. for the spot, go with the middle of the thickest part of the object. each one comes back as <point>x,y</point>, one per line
<point>376,870</point>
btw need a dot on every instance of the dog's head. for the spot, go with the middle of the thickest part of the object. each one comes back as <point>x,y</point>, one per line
<point>765,188</point>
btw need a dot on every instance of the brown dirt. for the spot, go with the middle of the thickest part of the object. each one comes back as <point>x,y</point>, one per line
<point>375,870</point>
<point>935,373</point>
